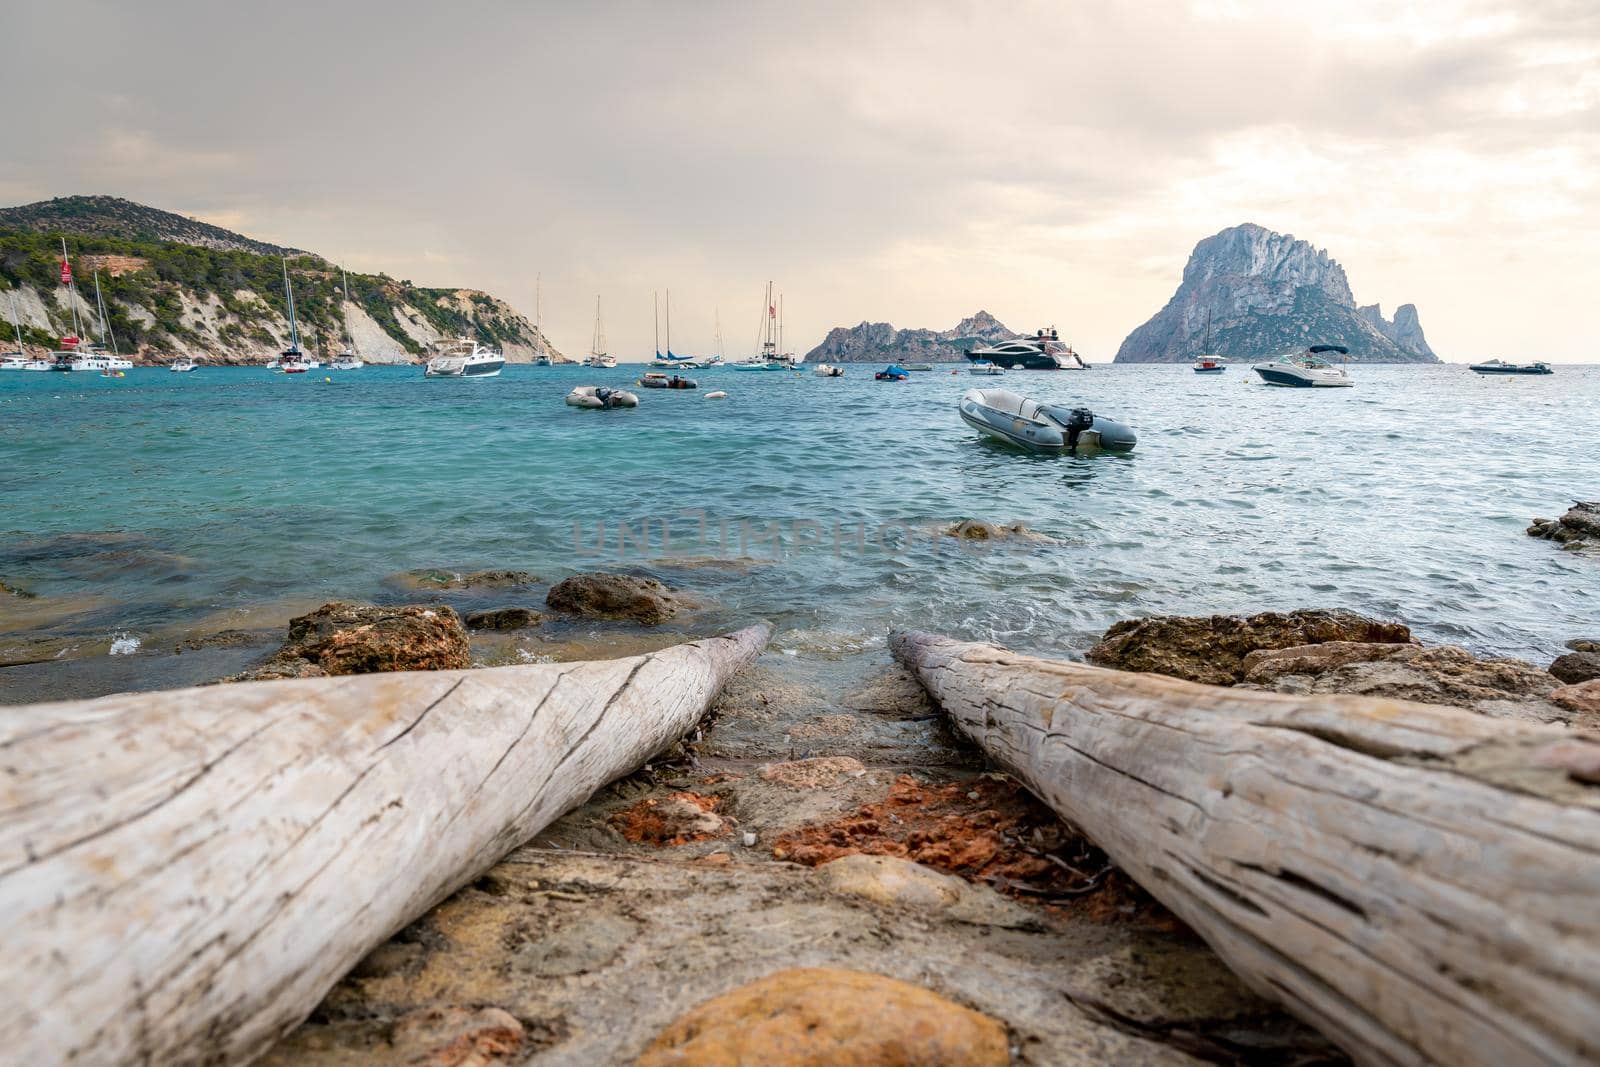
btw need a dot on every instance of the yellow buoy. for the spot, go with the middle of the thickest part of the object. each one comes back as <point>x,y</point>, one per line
<point>327,379</point>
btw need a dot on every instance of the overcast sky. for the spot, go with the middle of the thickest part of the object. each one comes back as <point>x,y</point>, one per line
<point>909,163</point>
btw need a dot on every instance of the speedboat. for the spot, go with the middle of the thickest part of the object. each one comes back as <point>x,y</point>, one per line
<point>183,365</point>
<point>983,366</point>
<point>757,364</point>
<point>918,366</point>
<point>892,373</point>
<point>827,370</point>
<point>657,380</point>
<point>1209,365</point>
<point>1017,420</point>
<point>464,358</point>
<point>542,361</point>
<point>1043,351</point>
<point>1306,369</point>
<point>599,396</point>
<point>1500,366</point>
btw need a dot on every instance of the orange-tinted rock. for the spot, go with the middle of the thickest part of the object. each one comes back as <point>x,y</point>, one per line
<point>676,819</point>
<point>827,1017</point>
<point>360,639</point>
<point>1583,698</point>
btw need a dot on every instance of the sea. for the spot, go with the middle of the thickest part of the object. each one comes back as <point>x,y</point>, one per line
<point>154,508</point>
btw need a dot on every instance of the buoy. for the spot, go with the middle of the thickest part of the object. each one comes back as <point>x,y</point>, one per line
<point>327,379</point>
<point>717,395</point>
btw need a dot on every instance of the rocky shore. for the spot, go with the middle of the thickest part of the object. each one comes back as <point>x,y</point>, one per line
<point>821,872</point>
<point>1578,529</point>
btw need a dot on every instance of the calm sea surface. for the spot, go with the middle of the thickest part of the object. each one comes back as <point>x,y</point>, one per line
<point>161,499</point>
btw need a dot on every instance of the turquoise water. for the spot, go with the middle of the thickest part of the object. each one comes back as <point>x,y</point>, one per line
<point>172,497</point>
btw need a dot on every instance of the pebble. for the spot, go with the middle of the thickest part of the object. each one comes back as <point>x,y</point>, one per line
<point>749,839</point>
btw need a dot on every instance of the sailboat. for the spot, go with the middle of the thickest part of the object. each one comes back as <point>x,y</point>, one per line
<point>716,360</point>
<point>768,359</point>
<point>95,356</point>
<point>670,360</point>
<point>1204,363</point>
<point>349,359</point>
<point>597,349</point>
<point>292,360</point>
<point>19,360</point>
<point>543,358</point>
<point>63,358</point>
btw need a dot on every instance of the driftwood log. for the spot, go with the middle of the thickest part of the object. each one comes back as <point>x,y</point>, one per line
<point>1420,883</point>
<point>184,875</point>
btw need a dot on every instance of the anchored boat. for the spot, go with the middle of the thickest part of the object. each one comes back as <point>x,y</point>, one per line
<point>892,373</point>
<point>464,358</point>
<point>1306,369</point>
<point>1018,420</point>
<point>1500,366</point>
<point>599,396</point>
<point>1043,351</point>
<point>827,370</point>
<point>657,380</point>
<point>983,366</point>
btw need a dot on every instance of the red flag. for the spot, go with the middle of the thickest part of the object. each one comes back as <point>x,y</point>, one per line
<point>66,273</point>
<point>772,311</point>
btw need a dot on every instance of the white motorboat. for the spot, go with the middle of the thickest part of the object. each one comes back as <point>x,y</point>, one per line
<point>1043,351</point>
<point>1018,420</point>
<point>983,366</point>
<point>464,358</point>
<point>183,365</point>
<point>599,396</point>
<point>828,370</point>
<point>347,361</point>
<point>1306,370</point>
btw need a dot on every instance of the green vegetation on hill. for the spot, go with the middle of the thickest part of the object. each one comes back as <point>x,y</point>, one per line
<point>34,258</point>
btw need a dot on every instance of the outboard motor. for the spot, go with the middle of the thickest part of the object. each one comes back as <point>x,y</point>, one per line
<point>1078,420</point>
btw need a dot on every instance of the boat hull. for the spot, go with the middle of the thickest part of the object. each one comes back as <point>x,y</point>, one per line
<point>1041,434</point>
<point>1294,379</point>
<point>1509,370</point>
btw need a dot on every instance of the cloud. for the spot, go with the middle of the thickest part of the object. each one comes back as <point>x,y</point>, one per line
<point>1048,162</point>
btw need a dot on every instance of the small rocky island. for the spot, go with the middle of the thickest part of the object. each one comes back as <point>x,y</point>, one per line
<point>879,342</point>
<point>1265,293</point>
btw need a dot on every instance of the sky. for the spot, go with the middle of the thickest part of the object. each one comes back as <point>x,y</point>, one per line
<point>1051,163</point>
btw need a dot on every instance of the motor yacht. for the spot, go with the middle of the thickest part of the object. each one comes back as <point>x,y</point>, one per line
<point>1500,366</point>
<point>1308,369</point>
<point>1043,351</point>
<point>464,358</point>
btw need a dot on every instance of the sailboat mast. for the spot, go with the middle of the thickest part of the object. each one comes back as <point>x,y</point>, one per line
<point>718,313</point>
<point>100,310</point>
<point>16,319</point>
<point>657,319</point>
<point>780,324</point>
<point>538,307</point>
<point>72,291</point>
<point>669,323</point>
<point>349,334</point>
<point>288,291</point>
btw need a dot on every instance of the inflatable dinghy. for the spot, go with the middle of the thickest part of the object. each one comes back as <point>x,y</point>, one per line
<point>657,380</point>
<point>1017,420</point>
<point>598,396</point>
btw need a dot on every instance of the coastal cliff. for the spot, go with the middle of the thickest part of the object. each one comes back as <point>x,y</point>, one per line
<point>878,342</point>
<point>1266,293</point>
<point>177,287</point>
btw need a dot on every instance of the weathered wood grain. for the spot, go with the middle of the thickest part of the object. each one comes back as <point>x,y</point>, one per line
<point>183,875</point>
<point>1420,883</point>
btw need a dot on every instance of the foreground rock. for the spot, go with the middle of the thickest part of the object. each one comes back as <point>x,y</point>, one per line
<point>1577,667</point>
<point>1212,649</point>
<point>1578,528</point>
<point>342,638</point>
<point>436,578</point>
<point>614,596</point>
<point>828,1017</point>
<point>1496,685</point>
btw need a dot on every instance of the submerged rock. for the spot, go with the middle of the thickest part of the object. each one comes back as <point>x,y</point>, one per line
<point>1578,528</point>
<point>1577,666</point>
<point>359,639</point>
<point>503,619</point>
<point>1212,649</point>
<point>816,1016</point>
<point>978,530</point>
<point>435,578</point>
<point>614,596</point>
<point>12,589</point>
